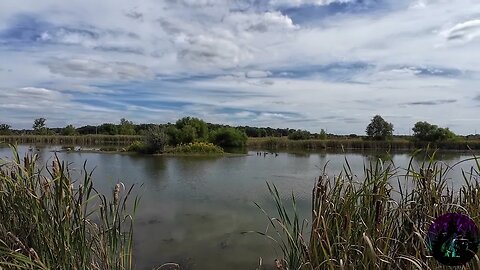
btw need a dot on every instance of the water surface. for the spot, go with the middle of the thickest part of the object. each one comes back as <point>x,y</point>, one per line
<point>193,210</point>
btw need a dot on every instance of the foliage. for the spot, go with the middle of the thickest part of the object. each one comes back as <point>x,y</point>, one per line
<point>5,129</point>
<point>195,125</point>
<point>69,130</point>
<point>196,148</point>
<point>379,129</point>
<point>50,221</point>
<point>40,126</point>
<point>299,135</point>
<point>155,140</point>
<point>424,131</point>
<point>366,223</point>
<point>136,146</point>
<point>126,127</point>
<point>228,137</point>
<point>323,135</point>
<point>108,129</point>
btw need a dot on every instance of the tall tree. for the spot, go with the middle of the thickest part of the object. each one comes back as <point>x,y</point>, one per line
<point>5,129</point>
<point>379,129</point>
<point>40,126</point>
<point>126,127</point>
<point>69,130</point>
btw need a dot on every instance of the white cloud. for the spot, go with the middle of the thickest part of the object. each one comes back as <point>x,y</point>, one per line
<point>464,32</point>
<point>306,2</point>
<point>85,46</point>
<point>89,68</point>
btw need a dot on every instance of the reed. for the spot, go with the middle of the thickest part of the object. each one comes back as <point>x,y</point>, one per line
<point>89,140</point>
<point>375,221</point>
<point>49,221</point>
<point>357,143</point>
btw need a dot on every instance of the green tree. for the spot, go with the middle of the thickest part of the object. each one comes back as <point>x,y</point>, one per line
<point>5,129</point>
<point>40,126</point>
<point>379,129</point>
<point>228,137</point>
<point>201,128</point>
<point>155,140</point>
<point>425,131</point>
<point>108,129</point>
<point>188,134</point>
<point>69,130</point>
<point>299,135</point>
<point>173,135</point>
<point>126,127</point>
<point>323,134</point>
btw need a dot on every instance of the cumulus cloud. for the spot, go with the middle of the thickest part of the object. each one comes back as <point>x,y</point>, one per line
<point>255,58</point>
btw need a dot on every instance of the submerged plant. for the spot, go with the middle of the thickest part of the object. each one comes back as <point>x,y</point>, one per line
<point>377,221</point>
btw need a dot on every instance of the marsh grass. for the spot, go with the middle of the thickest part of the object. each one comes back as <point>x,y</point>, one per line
<point>357,143</point>
<point>83,140</point>
<point>49,221</point>
<point>375,221</point>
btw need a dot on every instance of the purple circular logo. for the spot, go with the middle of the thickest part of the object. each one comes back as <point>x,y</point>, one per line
<point>453,239</point>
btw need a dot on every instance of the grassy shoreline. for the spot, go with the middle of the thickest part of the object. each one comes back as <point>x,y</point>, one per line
<point>357,143</point>
<point>121,140</point>
<point>273,143</point>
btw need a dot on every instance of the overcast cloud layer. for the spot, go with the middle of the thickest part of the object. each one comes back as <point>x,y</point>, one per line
<point>307,64</point>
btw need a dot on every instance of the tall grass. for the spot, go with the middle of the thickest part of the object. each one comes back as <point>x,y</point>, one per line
<point>121,140</point>
<point>49,221</point>
<point>356,143</point>
<point>375,221</point>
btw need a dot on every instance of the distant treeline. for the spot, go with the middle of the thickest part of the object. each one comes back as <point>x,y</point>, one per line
<point>379,134</point>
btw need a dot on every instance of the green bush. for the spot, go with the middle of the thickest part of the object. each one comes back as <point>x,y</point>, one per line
<point>425,131</point>
<point>196,148</point>
<point>228,137</point>
<point>136,146</point>
<point>299,135</point>
<point>155,140</point>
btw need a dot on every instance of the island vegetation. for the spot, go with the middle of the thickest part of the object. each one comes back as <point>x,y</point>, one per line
<point>159,138</point>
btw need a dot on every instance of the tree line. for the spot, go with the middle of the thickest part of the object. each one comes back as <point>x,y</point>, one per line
<point>190,129</point>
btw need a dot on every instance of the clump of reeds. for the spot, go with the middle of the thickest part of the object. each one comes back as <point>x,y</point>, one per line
<point>49,221</point>
<point>375,221</point>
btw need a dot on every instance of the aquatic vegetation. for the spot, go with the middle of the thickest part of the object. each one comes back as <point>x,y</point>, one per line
<point>375,221</point>
<point>50,221</point>
<point>196,148</point>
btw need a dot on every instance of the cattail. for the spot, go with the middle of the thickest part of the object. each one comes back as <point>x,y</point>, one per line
<point>116,194</point>
<point>16,241</point>
<point>34,254</point>
<point>56,168</point>
<point>378,213</point>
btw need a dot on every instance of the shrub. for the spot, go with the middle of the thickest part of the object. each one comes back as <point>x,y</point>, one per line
<point>425,131</point>
<point>228,137</point>
<point>196,148</point>
<point>155,140</point>
<point>136,146</point>
<point>299,135</point>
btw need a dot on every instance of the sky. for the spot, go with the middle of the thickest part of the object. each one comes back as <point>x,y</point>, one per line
<point>307,64</point>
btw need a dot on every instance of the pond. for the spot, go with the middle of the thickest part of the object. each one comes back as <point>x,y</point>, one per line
<point>194,210</point>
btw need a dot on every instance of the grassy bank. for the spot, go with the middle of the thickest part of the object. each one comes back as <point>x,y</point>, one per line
<point>87,140</point>
<point>356,143</point>
<point>372,221</point>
